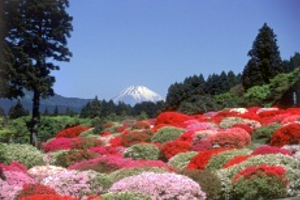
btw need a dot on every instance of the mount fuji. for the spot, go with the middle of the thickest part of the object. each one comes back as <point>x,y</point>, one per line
<point>137,94</point>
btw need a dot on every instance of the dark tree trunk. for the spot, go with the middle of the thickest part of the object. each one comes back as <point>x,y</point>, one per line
<point>35,119</point>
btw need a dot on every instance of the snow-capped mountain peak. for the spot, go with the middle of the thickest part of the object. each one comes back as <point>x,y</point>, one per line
<point>136,94</point>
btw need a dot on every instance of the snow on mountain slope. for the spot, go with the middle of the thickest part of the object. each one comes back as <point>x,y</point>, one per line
<point>137,94</point>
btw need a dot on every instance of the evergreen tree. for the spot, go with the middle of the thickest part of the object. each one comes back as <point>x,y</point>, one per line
<point>265,61</point>
<point>36,33</point>
<point>91,109</point>
<point>17,111</point>
<point>56,111</point>
<point>46,112</point>
<point>69,112</point>
<point>293,63</point>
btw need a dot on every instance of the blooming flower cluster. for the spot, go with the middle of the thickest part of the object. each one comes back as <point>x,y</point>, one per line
<point>161,186</point>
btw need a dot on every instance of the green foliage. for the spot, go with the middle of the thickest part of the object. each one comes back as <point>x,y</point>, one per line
<point>217,161</point>
<point>209,182</point>
<point>142,152</point>
<point>181,160</point>
<point>70,157</point>
<point>227,100</point>
<point>257,95</point>
<point>125,195</point>
<point>166,134</point>
<point>260,188</point>
<point>97,123</point>
<point>23,153</point>
<point>265,133</point>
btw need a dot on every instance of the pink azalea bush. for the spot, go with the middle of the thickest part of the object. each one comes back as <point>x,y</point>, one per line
<point>41,172</point>
<point>161,186</point>
<point>77,184</point>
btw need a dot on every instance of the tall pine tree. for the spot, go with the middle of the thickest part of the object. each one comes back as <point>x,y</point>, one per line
<point>265,61</point>
<point>36,33</point>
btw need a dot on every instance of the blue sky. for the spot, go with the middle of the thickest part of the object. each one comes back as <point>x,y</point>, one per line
<point>155,43</point>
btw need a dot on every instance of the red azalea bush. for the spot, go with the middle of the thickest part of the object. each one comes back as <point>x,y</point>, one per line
<point>114,142</point>
<point>289,134</point>
<point>243,126</point>
<point>73,131</point>
<point>270,150</point>
<point>262,170</point>
<point>202,158</point>
<point>187,136</point>
<point>173,118</point>
<point>236,160</point>
<point>141,125</point>
<point>60,143</point>
<point>290,119</point>
<point>34,189</point>
<point>172,148</point>
<point>48,197</point>
<point>233,137</point>
<point>201,145</point>
<point>135,137</point>
<point>121,128</point>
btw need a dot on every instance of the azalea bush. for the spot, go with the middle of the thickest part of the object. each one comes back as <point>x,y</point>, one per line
<point>48,197</point>
<point>209,182</point>
<point>166,134</point>
<point>202,158</point>
<point>141,125</point>
<point>265,149</point>
<point>173,118</point>
<point>78,184</point>
<point>236,160</point>
<point>234,137</point>
<point>172,148</point>
<point>70,157</point>
<point>181,160</point>
<point>219,160</point>
<point>265,133</point>
<point>135,137</point>
<point>286,135</point>
<point>142,152</point>
<point>73,131</point>
<point>23,153</point>
<point>60,143</point>
<point>34,189</point>
<point>133,171</point>
<point>124,195</point>
<point>260,182</point>
<point>41,172</point>
<point>161,186</point>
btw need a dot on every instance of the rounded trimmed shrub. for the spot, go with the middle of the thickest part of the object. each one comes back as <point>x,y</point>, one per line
<point>260,182</point>
<point>218,161</point>
<point>181,160</point>
<point>125,195</point>
<point>161,186</point>
<point>209,182</point>
<point>286,135</point>
<point>142,152</point>
<point>172,148</point>
<point>166,134</point>
<point>22,153</point>
<point>265,133</point>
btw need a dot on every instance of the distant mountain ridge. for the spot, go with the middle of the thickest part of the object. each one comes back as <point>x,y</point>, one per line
<point>137,94</point>
<point>50,103</point>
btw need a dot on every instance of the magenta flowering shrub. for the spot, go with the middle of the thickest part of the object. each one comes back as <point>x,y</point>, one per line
<point>14,166</point>
<point>103,164</point>
<point>60,143</point>
<point>161,186</point>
